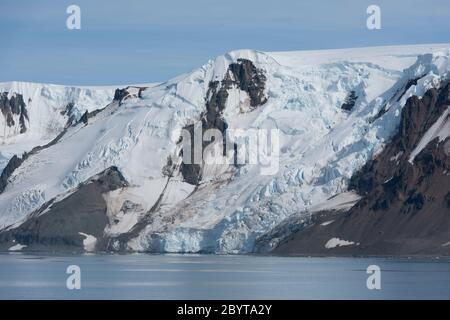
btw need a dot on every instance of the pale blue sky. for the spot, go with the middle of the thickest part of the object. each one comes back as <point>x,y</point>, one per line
<point>136,41</point>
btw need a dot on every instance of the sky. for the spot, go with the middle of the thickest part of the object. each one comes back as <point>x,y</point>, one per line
<point>137,41</point>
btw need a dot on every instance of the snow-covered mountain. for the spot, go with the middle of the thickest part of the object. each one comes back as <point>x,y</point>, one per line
<point>104,168</point>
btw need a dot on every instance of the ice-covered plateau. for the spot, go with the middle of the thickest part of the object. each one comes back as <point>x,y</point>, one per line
<point>101,169</point>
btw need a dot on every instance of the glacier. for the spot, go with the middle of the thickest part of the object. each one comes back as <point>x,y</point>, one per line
<point>321,145</point>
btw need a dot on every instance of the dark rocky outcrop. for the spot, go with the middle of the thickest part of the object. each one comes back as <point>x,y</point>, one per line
<point>124,93</point>
<point>14,105</point>
<point>119,94</point>
<point>350,101</point>
<point>248,78</point>
<point>12,165</point>
<point>68,112</point>
<point>84,118</point>
<point>244,75</point>
<point>191,172</point>
<point>405,206</point>
<point>58,223</point>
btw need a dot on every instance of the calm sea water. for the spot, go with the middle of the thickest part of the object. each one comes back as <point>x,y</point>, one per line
<point>141,276</point>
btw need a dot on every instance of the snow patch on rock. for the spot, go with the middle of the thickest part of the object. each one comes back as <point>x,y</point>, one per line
<point>336,242</point>
<point>89,242</point>
<point>17,247</point>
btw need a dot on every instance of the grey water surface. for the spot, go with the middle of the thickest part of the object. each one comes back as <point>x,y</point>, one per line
<point>142,276</point>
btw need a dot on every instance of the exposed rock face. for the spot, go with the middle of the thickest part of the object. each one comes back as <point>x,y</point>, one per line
<point>405,205</point>
<point>12,165</point>
<point>244,75</point>
<point>84,118</point>
<point>129,92</point>
<point>68,112</point>
<point>119,94</point>
<point>350,101</point>
<point>248,78</point>
<point>191,171</point>
<point>60,224</point>
<point>14,106</point>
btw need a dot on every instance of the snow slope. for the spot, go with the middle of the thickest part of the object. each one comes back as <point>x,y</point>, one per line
<point>321,145</point>
<point>45,106</point>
